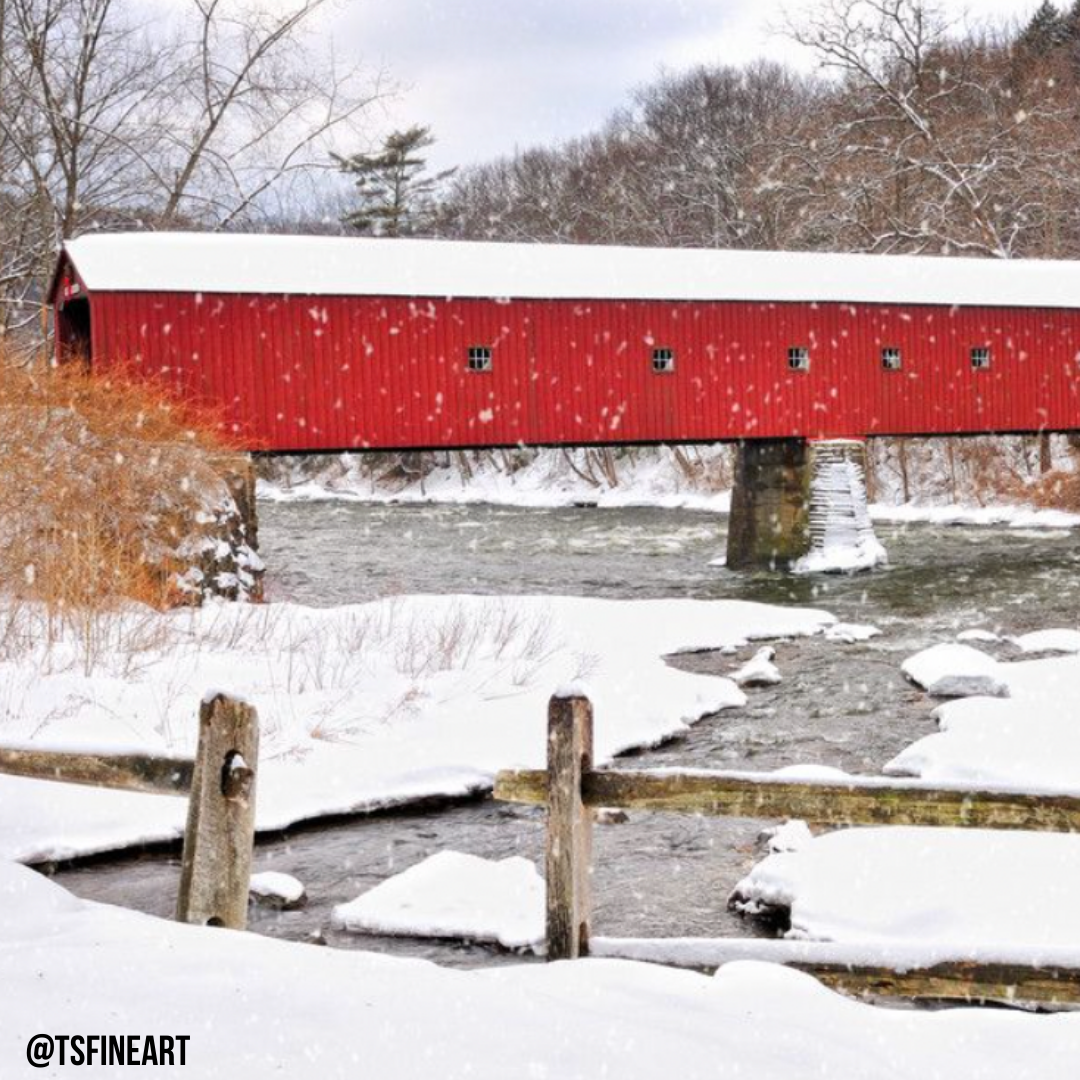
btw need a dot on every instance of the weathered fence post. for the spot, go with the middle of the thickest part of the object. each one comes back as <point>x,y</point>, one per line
<point>569,827</point>
<point>220,833</point>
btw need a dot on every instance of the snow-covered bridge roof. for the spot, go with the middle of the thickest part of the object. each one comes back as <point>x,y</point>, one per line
<point>333,266</point>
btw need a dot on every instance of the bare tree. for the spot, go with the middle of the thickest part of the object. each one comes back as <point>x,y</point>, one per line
<point>214,120</point>
<point>933,143</point>
<point>254,107</point>
<point>73,125</point>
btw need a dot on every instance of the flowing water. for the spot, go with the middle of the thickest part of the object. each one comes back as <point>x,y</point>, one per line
<point>656,875</point>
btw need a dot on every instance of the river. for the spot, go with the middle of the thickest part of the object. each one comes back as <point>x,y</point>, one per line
<point>656,875</point>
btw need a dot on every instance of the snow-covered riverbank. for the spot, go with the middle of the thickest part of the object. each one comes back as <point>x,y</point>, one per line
<point>653,477</point>
<point>921,888</point>
<point>361,707</point>
<point>325,1014</point>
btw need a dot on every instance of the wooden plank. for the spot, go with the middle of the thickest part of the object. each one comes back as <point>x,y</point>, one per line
<point>569,829</point>
<point>218,842</point>
<point>1045,987</point>
<point>900,972</point>
<point>865,801</point>
<point>125,772</point>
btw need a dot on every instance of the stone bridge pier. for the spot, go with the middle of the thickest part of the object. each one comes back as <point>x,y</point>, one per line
<point>801,505</point>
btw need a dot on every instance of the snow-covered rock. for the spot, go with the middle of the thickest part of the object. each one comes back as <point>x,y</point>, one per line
<point>1029,741</point>
<point>790,836</point>
<point>759,670</point>
<point>1049,641</point>
<point>274,889</point>
<point>949,670</point>
<point>453,895</point>
<point>256,1007</point>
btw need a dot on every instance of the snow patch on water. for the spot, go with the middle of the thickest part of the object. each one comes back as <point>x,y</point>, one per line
<point>454,895</point>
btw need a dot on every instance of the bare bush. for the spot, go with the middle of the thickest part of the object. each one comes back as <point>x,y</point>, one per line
<point>106,485</point>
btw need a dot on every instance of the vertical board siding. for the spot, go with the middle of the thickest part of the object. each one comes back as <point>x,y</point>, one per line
<point>334,373</point>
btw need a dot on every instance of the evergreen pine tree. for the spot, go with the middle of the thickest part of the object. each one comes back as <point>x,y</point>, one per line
<point>1070,23</point>
<point>1046,31</point>
<point>396,196</point>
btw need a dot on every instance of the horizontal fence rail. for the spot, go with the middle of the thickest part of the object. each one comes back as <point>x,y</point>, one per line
<point>124,772</point>
<point>219,783</point>
<point>862,801</point>
<point>571,789</point>
<point>906,971</point>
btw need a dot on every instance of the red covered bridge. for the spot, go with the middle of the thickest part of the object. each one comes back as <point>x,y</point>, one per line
<point>318,344</point>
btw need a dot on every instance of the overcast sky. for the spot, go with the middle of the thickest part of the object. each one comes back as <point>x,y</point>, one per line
<point>489,75</point>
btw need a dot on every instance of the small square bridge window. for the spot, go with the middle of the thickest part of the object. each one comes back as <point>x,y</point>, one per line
<point>663,361</point>
<point>479,358</point>
<point>891,359</point>
<point>980,358</point>
<point>798,358</point>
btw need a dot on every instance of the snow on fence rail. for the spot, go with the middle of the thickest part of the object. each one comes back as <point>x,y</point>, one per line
<point>571,788</point>
<point>220,785</point>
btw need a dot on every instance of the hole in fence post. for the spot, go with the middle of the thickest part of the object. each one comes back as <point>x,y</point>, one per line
<point>569,827</point>
<point>216,866</point>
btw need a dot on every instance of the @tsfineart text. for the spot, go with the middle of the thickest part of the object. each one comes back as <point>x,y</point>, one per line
<point>45,1050</point>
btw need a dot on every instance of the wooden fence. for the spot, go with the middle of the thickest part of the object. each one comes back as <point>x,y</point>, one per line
<point>220,785</point>
<point>572,789</point>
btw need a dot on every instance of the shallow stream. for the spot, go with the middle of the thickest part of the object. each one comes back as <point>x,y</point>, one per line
<point>656,875</point>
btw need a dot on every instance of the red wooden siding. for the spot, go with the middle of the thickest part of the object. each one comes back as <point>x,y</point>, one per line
<point>331,373</point>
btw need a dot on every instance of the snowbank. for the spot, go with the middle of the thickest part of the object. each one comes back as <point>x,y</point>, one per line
<point>948,670</point>
<point>647,476</point>
<point>925,888</point>
<point>255,1007</point>
<point>936,890</point>
<point>1012,515</point>
<point>453,895</point>
<point>1031,741</point>
<point>361,707</point>
<point>650,477</point>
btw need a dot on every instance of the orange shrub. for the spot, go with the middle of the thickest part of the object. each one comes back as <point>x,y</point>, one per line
<point>108,486</point>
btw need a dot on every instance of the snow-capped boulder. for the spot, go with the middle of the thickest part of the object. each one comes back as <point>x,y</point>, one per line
<point>792,835</point>
<point>949,670</point>
<point>759,670</point>
<point>276,890</point>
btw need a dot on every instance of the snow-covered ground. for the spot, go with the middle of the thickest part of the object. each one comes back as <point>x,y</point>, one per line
<point>926,887</point>
<point>1028,741</point>
<point>254,1007</point>
<point>361,706</point>
<point>649,477</point>
<point>979,889</point>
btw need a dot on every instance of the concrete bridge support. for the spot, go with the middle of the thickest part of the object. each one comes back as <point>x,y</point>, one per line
<point>770,505</point>
<point>802,506</point>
